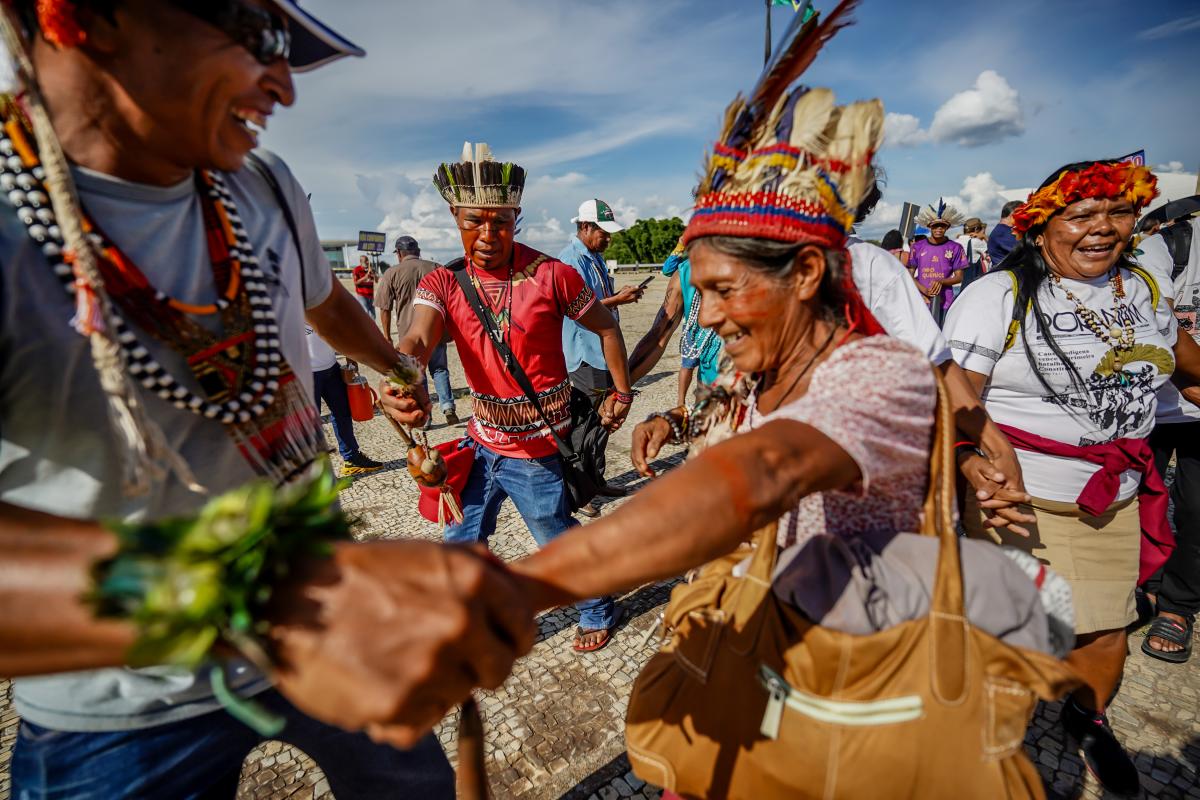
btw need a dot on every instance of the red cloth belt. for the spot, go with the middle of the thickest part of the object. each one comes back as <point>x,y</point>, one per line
<point>1098,494</point>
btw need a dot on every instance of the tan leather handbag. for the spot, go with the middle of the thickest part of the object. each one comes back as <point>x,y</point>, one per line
<point>748,699</point>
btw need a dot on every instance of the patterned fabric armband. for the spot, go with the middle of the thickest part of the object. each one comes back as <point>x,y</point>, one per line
<point>582,302</point>
<point>424,297</point>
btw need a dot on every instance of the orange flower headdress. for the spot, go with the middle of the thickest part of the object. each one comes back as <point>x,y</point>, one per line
<point>58,22</point>
<point>1135,183</point>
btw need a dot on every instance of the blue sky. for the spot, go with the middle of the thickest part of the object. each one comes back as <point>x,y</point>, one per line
<point>620,100</point>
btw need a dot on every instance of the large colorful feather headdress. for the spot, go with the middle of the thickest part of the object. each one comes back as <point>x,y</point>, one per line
<point>790,167</point>
<point>479,181</point>
<point>942,212</point>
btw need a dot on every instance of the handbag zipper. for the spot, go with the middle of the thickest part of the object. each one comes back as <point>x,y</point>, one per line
<point>777,694</point>
<point>857,713</point>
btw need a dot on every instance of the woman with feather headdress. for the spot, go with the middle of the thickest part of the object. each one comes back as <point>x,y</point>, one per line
<point>819,422</point>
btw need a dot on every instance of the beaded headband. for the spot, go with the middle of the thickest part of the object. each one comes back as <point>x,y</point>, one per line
<point>790,167</point>
<point>478,181</point>
<point>1135,183</point>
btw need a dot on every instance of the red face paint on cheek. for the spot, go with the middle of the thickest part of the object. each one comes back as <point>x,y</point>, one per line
<point>753,304</point>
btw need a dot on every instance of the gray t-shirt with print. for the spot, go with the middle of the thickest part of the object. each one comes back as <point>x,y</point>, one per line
<point>58,453</point>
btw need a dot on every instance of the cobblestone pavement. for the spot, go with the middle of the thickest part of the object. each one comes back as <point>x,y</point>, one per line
<point>555,728</point>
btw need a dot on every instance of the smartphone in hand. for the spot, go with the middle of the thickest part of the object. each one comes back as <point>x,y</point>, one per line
<point>646,282</point>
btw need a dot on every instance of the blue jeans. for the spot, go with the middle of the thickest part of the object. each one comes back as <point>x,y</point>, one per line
<point>536,488</point>
<point>202,758</point>
<point>440,368</point>
<point>329,386</point>
<point>367,303</point>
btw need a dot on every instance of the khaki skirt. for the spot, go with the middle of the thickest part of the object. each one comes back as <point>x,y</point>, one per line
<point>1099,556</point>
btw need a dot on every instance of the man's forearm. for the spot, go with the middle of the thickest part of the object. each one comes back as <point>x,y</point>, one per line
<point>45,625</point>
<point>385,320</point>
<point>650,349</point>
<point>616,358</point>
<point>347,328</point>
<point>416,346</point>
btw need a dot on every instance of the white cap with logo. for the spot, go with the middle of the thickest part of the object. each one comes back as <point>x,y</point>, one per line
<point>599,212</point>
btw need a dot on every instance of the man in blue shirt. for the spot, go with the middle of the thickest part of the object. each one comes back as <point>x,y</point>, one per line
<point>594,227</point>
<point>1001,242</point>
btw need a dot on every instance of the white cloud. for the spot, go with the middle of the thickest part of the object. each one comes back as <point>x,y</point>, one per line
<point>903,130</point>
<point>885,216</point>
<point>1170,168</point>
<point>987,112</point>
<point>980,196</point>
<point>1172,28</point>
<point>567,180</point>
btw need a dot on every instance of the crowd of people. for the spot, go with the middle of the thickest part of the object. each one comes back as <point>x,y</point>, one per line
<point>172,277</point>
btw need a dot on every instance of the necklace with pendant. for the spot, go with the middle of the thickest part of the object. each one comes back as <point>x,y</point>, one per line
<point>1119,335</point>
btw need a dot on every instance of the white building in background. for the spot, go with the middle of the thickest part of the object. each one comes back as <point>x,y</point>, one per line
<point>336,253</point>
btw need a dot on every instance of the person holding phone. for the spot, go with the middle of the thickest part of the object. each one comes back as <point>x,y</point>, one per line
<point>594,227</point>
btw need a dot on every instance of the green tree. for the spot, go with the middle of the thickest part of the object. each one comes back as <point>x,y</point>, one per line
<point>647,241</point>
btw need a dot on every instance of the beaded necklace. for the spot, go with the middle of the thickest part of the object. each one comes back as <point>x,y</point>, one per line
<point>247,384</point>
<point>1119,335</point>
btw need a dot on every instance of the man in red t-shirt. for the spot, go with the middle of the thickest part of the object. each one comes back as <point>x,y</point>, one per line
<point>527,295</point>
<point>364,285</point>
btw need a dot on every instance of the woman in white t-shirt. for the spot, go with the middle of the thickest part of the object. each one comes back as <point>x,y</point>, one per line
<point>1068,346</point>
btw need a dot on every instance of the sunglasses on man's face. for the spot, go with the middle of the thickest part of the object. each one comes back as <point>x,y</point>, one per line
<point>263,34</point>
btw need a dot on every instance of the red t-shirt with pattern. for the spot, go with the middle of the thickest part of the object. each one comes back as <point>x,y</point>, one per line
<point>544,292</point>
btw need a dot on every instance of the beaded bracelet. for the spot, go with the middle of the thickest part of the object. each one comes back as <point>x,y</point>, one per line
<point>678,431</point>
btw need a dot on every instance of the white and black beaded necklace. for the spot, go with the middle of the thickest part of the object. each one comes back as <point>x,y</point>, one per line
<point>246,382</point>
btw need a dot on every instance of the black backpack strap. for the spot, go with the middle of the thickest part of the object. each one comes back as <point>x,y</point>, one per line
<point>258,165</point>
<point>459,269</point>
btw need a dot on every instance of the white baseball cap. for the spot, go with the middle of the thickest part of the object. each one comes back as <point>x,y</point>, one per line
<point>599,212</point>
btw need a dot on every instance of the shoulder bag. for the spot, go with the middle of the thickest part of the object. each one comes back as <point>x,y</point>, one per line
<point>750,699</point>
<point>583,456</point>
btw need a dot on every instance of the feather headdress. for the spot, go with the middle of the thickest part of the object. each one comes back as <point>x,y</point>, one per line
<point>479,181</point>
<point>943,212</point>
<point>790,167</point>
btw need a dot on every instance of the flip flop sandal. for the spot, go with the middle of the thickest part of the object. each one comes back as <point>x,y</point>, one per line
<point>1171,631</point>
<point>618,618</point>
<point>580,631</point>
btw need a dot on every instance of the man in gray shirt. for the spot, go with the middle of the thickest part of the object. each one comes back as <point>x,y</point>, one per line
<point>395,292</point>
<point>384,634</point>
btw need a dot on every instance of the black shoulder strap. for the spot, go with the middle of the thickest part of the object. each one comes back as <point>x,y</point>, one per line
<point>459,269</point>
<point>1178,238</point>
<point>260,166</point>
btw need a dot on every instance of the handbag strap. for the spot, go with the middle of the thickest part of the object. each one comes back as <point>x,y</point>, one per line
<point>947,618</point>
<point>948,626</point>
<point>458,267</point>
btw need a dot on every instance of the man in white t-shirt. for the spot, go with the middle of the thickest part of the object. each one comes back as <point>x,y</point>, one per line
<point>974,243</point>
<point>1173,256</point>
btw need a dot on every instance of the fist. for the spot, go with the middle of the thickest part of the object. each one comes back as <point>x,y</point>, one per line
<point>388,636</point>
